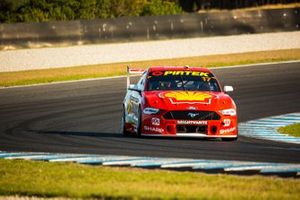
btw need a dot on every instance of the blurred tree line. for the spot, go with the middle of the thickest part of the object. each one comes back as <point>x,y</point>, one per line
<point>50,10</point>
<point>55,10</point>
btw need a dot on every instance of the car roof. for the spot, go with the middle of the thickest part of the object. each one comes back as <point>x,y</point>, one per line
<point>178,68</point>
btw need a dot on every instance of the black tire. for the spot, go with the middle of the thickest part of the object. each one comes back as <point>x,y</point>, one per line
<point>229,139</point>
<point>139,125</point>
<point>123,130</point>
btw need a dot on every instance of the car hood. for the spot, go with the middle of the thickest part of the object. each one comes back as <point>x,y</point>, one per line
<point>188,100</point>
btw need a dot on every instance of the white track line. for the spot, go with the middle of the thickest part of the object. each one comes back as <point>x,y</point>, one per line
<point>124,76</point>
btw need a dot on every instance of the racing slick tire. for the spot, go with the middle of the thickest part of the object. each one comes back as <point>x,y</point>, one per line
<point>139,125</point>
<point>123,129</point>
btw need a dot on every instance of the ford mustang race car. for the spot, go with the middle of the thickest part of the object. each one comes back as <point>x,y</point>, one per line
<point>178,101</point>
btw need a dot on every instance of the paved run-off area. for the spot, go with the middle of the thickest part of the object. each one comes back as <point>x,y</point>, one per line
<point>28,59</point>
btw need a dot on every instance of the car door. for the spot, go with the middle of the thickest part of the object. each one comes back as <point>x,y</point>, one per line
<point>133,101</point>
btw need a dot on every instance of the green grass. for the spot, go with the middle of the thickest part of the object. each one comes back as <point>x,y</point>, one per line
<point>293,129</point>
<point>257,8</point>
<point>44,179</point>
<point>105,70</point>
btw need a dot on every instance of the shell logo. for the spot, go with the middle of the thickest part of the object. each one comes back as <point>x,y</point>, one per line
<point>189,97</point>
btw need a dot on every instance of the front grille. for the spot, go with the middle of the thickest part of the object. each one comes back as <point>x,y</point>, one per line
<point>191,129</point>
<point>192,115</point>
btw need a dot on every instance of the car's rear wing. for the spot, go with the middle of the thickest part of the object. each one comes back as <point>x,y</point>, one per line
<point>131,71</point>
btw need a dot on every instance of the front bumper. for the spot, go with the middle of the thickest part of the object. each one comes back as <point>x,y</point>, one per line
<point>157,125</point>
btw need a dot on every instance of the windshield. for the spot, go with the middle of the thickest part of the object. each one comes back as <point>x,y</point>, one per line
<point>182,80</point>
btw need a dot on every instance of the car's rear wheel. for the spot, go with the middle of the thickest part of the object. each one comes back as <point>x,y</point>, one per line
<point>123,126</point>
<point>139,124</point>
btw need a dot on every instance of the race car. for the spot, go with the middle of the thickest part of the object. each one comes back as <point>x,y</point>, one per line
<point>178,101</point>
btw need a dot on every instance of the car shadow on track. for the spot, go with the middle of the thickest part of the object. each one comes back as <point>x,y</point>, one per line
<point>78,133</point>
<point>118,135</point>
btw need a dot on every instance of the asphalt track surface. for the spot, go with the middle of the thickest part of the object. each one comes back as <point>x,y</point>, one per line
<point>84,117</point>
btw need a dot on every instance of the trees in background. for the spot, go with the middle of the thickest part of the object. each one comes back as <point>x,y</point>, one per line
<point>55,10</point>
<point>49,10</point>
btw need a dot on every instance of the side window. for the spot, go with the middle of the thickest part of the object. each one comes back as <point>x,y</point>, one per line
<point>141,83</point>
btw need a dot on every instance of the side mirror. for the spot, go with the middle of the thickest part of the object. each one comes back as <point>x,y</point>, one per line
<point>131,87</point>
<point>134,87</point>
<point>228,88</point>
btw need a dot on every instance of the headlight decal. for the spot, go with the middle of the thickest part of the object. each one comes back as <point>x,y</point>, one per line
<point>150,111</point>
<point>228,112</point>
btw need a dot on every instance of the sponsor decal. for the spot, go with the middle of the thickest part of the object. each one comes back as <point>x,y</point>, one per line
<point>226,131</point>
<point>182,73</point>
<point>155,121</point>
<point>134,100</point>
<point>188,97</point>
<point>157,73</point>
<point>186,73</point>
<point>226,122</point>
<point>191,122</point>
<point>129,107</point>
<point>153,129</point>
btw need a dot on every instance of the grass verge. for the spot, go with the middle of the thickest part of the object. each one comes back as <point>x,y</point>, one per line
<point>44,179</point>
<point>293,129</point>
<point>105,70</point>
<point>257,8</point>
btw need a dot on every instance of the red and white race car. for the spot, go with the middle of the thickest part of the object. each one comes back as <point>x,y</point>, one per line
<point>178,101</point>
